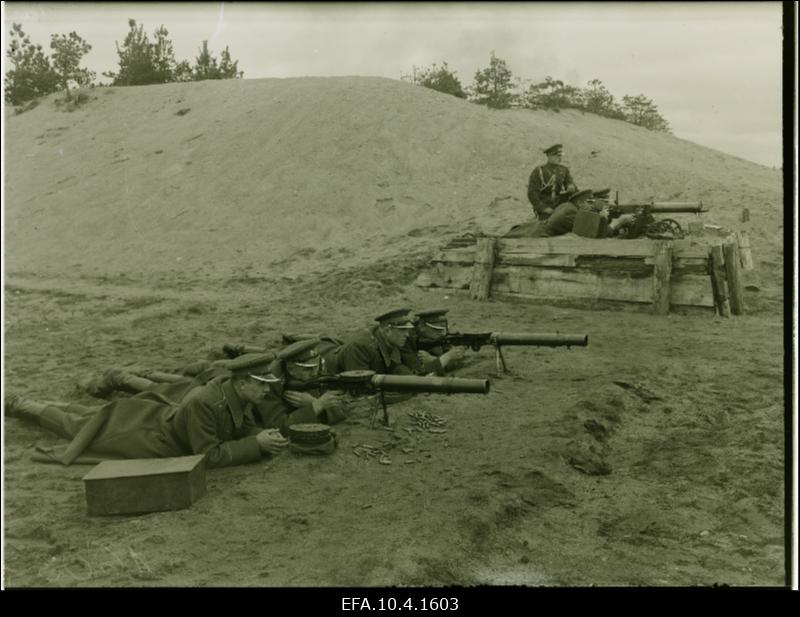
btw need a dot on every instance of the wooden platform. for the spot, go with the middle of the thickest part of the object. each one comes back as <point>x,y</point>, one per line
<point>663,273</point>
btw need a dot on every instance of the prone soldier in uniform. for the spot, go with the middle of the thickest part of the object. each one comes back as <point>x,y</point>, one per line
<point>563,219</point>
<point>280,408</point>
<point>215,419</point>
<point>428,346</point>
<point>379,348</point>
<point>171,385</point>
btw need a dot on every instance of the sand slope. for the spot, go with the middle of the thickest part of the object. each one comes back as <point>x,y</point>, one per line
<point>312,169</point>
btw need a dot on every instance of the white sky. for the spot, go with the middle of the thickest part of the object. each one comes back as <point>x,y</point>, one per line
<point>713,69</point>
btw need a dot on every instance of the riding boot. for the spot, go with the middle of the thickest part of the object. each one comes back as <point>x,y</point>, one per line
<point>113,380</point>
<point>63,419</point>
<point>128,382</point>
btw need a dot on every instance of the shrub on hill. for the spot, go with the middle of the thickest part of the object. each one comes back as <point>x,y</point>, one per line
<point>439,78</point>
<point>31,75</point>
<point>493,86</point>
<point>207,67</point>
<point>551,94</point>
<point>642,111</point>
<point>142,62</point>
<point>68,49</point>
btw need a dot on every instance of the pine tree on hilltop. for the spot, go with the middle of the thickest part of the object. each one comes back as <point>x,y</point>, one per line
<point>68,49</point>
<point>492,86</point>
<point>31,75</point>
<point>142,62</point>
<point>207,67</point>
<point>642,111</point>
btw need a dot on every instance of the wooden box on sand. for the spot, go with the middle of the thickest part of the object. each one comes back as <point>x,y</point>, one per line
<point>136,486</point>
<point>696,271</point>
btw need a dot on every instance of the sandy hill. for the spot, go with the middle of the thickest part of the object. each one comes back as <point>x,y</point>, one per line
<point>289,175</point>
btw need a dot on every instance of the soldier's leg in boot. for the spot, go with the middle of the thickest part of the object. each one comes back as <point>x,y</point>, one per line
<point>64,419</point>
<point>113,380</point>
<point>158,376</point>
<point>128,382</point>
<point>191,370</point>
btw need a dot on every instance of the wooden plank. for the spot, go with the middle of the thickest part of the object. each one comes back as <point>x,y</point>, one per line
<point>687,289</point>
<point>684,262</point>
<point>467,256</point>
<point>576,245</point>
<point>461,256</point>
<point>745,254</point>
<point>733,274</point>
<point>460,242</point>
<point>662,273</point>
<point>718,283</point>
<point>572,283</point>
<point>536,259</point>
<point>481,282</point>
<point>633,266</point>
<point>576,283</point>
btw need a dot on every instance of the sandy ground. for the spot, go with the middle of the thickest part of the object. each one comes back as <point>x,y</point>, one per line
<point>311,205</point>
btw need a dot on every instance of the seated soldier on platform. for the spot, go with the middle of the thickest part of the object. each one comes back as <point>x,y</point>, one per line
<point>215,419</point>
<point>549,185</point>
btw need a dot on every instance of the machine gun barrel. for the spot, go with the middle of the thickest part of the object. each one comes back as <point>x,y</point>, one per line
<point>694,207</point>
<point>367,382</point>
<point>476,340</point>
<point>540,340</point>
<point>362,383</point>
<point>438,385</point>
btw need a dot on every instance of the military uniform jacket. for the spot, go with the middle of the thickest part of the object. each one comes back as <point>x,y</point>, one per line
<point>545,184</point>
<point>214,421</point>
<point>210,420</point>
<point>369,350</point>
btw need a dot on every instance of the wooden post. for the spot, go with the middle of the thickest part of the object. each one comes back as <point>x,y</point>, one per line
<point>718,286</point>
<point>743,239</point>
<point>733,274</point>
<point>481,283</point>
<point>662,271</point>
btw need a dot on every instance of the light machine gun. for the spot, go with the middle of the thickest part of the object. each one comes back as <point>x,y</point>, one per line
<point>366,383</point>
<point>476,340</point>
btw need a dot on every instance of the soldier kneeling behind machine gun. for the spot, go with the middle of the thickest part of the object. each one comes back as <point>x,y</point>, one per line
<point>598,217</point>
